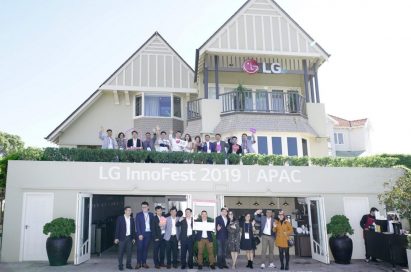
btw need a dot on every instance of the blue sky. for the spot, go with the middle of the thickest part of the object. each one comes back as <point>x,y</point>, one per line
<point>54,54</point>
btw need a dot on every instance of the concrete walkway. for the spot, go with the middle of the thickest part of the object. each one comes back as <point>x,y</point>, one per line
<point>108,263</point>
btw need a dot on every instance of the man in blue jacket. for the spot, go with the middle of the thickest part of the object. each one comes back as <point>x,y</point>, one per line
<point>221,223</point>
<point>144,228</point>
<point>125,237</point>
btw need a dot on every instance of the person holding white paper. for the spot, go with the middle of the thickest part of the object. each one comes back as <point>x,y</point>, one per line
<point>205,239</point>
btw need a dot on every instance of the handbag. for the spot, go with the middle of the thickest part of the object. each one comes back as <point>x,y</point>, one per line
<point>290,242</point>
<point>257,241</point>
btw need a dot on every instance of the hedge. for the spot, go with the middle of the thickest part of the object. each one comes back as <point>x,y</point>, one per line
<point>107,155</point>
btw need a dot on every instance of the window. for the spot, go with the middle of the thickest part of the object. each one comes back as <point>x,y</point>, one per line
<point>277,145</point>
<point>212,93</point>
<point>177,106</point>
<point>277,101</point>
<point>293,101</point>
<point>305,147</point>
<point>157,105</point>
<point>338,138</point>
<point>262,145</point>
<point>139,105</point>
<point>292,146</point>
<point>261,98</point>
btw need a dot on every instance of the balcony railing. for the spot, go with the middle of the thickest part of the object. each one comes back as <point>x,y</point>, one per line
<point>264,101</point>
<point>194,109</point>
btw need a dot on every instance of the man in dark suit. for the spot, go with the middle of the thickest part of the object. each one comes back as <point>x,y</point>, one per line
<point>205,239</point>
<point>159,247</point>
<point>221,223</point>
<point>144,228</point>
<point>219,145</point>
<point>125,237</point>
<point>134,142</point>
<point>186,238</point>
<point>267,236</point>
<point>208,147</point>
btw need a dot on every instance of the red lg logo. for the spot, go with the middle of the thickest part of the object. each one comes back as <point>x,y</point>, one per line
<point>250,66</point>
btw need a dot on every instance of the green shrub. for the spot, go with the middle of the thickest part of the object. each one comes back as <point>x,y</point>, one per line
<point>219,158</point>
<point>233,159</point>
<point>298,161</point>
<point>249,159</point>
<point>59,228</point>
<point>339,226</point>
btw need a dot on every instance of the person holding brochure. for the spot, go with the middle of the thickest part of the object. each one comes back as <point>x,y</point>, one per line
<point>205,239</point>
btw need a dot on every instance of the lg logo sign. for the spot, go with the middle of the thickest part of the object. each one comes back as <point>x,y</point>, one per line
<point>252,67</point>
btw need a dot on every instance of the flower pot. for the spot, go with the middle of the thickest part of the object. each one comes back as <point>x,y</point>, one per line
<point>409,259</point>
<point>341,248</point>
<point>58,250</point>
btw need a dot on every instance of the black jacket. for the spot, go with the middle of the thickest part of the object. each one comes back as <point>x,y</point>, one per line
<point>184,227</point>
<point>121,228</point>
<point>130,143</point>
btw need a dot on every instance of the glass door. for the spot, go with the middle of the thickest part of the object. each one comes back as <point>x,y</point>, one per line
<point>83,228</point>
<point>318,231</point>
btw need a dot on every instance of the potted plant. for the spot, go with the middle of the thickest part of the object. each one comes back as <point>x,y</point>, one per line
<point>59,242</point>
<point>340,243</point>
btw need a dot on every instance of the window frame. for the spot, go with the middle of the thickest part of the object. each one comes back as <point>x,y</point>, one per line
<point>171,95</point>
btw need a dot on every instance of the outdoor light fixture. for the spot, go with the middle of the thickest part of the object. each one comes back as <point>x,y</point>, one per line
<point>256,203</point>
<point>272,203</point>
<point>285,203</point>
<point>239,203</point>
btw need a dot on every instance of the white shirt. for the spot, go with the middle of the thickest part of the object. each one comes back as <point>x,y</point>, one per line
<point>177,144</point>
<point>127,225</point>
<point>134,142</point>
<point>147,220</point>
<point>164,142</point>
<point>208,147</point>
<point>225,220</point>
<point>189,229</point>
<point>110,143</point>
<point>267,227</point>
<point>204,233</point>
<point>173,226</point>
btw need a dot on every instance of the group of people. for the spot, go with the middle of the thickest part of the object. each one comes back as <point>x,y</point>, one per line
<point>232,235</point>
<point>159,141</point>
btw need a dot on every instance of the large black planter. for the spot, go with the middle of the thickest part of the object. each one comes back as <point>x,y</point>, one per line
<point>341,248</point>
<point>58,250</point>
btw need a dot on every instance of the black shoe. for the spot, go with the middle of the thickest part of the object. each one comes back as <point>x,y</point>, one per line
<point>121,268</point>
<point>286,267</point>
<point>183,267</point>
<point>251,264</point>
<point>221,267</point>
<point>282,267</point>
<point>248,264</point>
<point>212,266</point>
<point>225,266</point>
<point>129,267</point>
<point>374,260</point>
<point>169,266</point>
<point>175,266</point>
<point>190,267</point>
<point>200,267</point>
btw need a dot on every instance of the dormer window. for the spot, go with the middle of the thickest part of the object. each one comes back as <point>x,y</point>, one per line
<point>158,105</point>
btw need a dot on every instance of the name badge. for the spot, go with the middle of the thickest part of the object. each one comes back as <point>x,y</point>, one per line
<point>148,149</point>
<point>247,235</point>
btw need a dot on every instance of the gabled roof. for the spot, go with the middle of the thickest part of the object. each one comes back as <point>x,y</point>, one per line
<point>160,46</point>
<point>145,68</point>
<point>344,123</point>
<point>269,19</point>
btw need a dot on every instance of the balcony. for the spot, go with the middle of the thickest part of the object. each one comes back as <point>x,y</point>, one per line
<point>276,102</point>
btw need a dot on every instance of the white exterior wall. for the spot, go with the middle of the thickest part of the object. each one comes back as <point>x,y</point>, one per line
<point>103,112</point>
<point>66,179</point>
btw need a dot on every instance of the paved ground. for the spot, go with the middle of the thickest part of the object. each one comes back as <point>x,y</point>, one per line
<point>108,263</point>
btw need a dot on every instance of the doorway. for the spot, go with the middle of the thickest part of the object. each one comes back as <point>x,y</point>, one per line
<point>97,215</point>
